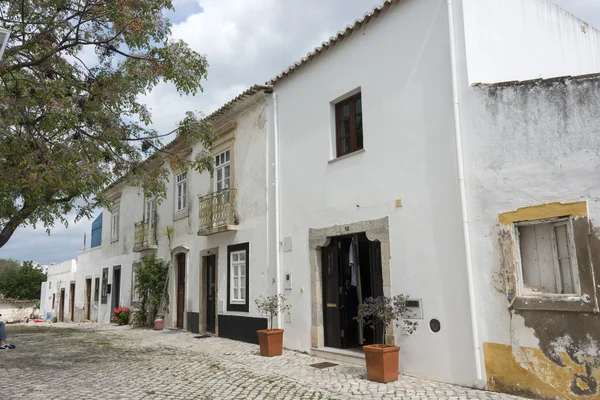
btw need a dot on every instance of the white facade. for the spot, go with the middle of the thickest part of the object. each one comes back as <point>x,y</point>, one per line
<point>442,164</point>
<point>56,291</point>
<point>242,133</point>
<point>517,40</point>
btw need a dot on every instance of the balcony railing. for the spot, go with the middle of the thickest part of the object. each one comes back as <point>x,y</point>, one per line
<point>217,212</point>
<point>145,235</point>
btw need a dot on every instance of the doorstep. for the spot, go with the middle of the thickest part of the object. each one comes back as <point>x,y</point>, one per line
<point>354,357</point>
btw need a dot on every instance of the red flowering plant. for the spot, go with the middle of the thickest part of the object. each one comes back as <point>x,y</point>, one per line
<point>121,315</point>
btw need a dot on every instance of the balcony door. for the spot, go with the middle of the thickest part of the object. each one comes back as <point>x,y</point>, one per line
<point>150,211</point>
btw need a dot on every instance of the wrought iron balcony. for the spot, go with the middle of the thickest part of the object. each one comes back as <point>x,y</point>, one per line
<point>145,235</point>
<point>218,212</point>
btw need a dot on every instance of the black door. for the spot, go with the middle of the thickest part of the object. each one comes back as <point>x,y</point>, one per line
<point>331,296</point>
<point>116,288</point>
<point>376,282</point>
<point>180,289</point>
<point>210,293</point>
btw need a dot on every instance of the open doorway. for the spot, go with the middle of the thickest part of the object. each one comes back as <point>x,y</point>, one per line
<point>351,272</point>
<point>211,292</point>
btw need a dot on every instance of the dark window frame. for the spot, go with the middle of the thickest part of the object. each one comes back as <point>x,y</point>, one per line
<point>237,306</point>
<point>105,290</point>
<point>354,142</point>
<point>96,289</point>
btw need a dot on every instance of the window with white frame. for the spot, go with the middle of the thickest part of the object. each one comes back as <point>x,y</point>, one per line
<point>547,259</point>
<point>181,190</point>
<point>150,209</point>
<point>223,170</point>
<point>115,223</point>
<point>238,277</point>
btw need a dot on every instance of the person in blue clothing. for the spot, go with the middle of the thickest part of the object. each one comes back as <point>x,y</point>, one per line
<point>3,344</point>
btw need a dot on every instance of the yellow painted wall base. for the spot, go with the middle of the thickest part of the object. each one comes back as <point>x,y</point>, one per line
<point>528,372</point>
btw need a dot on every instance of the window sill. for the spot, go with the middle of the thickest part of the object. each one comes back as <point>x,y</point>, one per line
<point>114,239</point>
<point>181,214</point>
<point>554,303</point>
<point>354,153</point>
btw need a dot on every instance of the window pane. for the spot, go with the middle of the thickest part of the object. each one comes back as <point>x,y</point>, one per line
<point>243,282</point>
<point>219,174</point>
<point>358,123</point>
<point>226,171</point>
<point>234,256</point>
<point>537,258</point>
<point>235,294</point>
<point>227,156</point>
<point>562,249</point>
<point>242,294</point>
<point>226,184</point>
<point>219,186</point>
<point>243,256</point>
<point>346,110</point>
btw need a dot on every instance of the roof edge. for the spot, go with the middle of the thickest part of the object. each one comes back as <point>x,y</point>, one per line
<point>537,81</point>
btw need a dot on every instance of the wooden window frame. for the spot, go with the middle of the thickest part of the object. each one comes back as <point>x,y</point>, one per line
<point>338,125</point>
<point>238,306</point>
<point>96,289</point>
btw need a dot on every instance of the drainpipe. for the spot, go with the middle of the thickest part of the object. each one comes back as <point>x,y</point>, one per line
<point>277,200</point>
<point>463,192</point>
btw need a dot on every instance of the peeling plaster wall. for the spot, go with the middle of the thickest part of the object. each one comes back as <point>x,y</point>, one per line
<point>510,40</point>
<point>530,145</point>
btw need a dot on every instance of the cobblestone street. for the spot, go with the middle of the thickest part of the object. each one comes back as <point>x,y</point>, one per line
<point>91,361</point>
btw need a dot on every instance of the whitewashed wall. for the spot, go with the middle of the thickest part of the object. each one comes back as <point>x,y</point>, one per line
<point>401,63</point>
<point>249,164</point>
<point>510,40</point>
<point>60,277</point>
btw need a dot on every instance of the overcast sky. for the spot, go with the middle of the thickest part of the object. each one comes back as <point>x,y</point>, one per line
<point>246,42</point>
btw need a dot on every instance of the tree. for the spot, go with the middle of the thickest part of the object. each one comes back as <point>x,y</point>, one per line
<point>151,280</point>
<point>21,281</point>
<point>69,127</point>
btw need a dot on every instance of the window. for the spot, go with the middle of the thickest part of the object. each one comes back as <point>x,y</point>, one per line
<point>547,257</point>
<point>135,297</point>
<point>223,170</point>
<point>104,285</point>
<point>115,224</point>
<point>181,181</point>
<point>53,300</point>
<point>96,289</point>
<point>238,277</point>
<point>349,127</point>
<point>150,209</point>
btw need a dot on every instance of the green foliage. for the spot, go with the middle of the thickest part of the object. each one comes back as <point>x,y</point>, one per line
<point>386,310</point>
<point>271,306</point>
<point>72,77</point>
<point>54,319</point>
<point>21,281</point>
<point>151,277</point>
<point>37,305</point>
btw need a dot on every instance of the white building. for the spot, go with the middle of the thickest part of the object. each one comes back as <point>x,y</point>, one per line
<point>57,299</point>
<point>412,138</point>
<point>220,227</point>
<point>401,137</point>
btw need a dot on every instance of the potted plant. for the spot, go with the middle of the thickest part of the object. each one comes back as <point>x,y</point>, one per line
<point>271,340</point>
<point>382,359</point>
<point>159,323</point>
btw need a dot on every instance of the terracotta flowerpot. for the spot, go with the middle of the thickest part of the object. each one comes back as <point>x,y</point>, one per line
<point>382,362</point>
<point>159,324</point>
<point>271,342</point>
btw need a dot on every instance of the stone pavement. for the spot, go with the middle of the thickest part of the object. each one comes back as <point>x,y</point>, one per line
<point>92,361</point>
